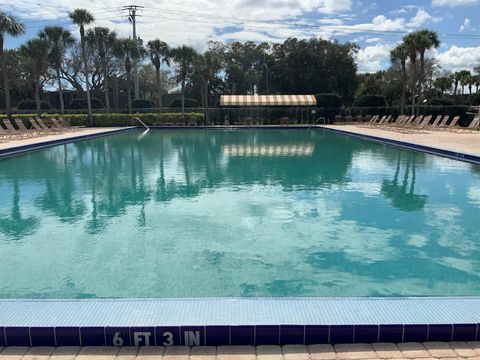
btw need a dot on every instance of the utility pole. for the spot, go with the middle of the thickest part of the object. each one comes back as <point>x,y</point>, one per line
<point>132,17</point>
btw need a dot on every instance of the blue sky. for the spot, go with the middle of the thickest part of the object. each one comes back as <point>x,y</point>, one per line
<point>376,26</point>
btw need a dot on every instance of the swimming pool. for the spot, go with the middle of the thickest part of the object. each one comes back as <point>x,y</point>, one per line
<point>269,213</point>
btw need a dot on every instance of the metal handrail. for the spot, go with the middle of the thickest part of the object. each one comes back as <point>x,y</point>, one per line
<point>141,122</point>
<point>318,119</point>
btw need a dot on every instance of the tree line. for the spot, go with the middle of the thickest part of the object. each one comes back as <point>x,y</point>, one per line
<point>101,63</point>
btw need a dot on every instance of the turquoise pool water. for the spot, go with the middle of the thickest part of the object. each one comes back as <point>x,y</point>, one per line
<point>237,213</point>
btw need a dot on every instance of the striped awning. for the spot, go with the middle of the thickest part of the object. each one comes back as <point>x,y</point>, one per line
<point>268,100</point>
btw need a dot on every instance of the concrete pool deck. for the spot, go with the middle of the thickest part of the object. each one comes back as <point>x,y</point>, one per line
<point>433,350</point>
<point>14,146</point>
<point>456,142</point>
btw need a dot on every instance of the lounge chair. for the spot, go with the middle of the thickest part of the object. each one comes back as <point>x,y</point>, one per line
<point>24,129</point>
<point>370,122</point>
<point>398,121</point>
<point>15,132</point>
<point>437,121</point>
<point>451,126</point>
<point>37,127</point>
<point>422,124</point>
<point>61,126</point>
<point>4,134</point>
<point>473,126</point>
<point>45,127</point>
<point>380,121</point>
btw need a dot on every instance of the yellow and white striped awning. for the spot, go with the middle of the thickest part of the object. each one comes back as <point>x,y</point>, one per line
<point>268,100</point>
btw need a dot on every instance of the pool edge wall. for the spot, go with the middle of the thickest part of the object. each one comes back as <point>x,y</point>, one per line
<point>237,321</point>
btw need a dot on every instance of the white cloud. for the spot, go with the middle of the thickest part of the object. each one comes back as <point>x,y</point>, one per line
<point>465,25</point>
<point>459,58</point>
<point>454,3</point>
<point>192,22</point>
<point>373,58</point>
<point>421,18</point>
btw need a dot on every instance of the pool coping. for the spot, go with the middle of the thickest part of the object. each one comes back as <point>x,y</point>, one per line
<point>238,321</point>
<point>451,154</point>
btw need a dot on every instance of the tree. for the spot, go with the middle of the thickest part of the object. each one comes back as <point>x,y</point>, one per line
<point>184,56</point>
<point>427,40</point>
<point>456,77</point>
<point>103,40</point>
<point>9,25</point>
<point>82,17</point>
<point>35,55</point>
<point>400,55</point>
<point>464,77</point>
<point>159,53</point>
<point>58,40</point>
<point>412,45</point>
<point>208,65</point>
<point>128,50</point>
<point>443,84</point>
<point>470,81</point>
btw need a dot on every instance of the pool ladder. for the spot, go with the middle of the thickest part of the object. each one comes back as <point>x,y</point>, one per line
<point>141,122</point>
<point>318,119</point>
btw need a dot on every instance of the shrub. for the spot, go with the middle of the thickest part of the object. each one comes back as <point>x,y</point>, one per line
<point>32,105</point>
<point>143,104</point>
<point>82,104</point>
<point>189,103</point>
<point>329,101</point>
<point>370,101</point>
<point>474,99</point>
<point>441,102</point>
<point>150,119</point>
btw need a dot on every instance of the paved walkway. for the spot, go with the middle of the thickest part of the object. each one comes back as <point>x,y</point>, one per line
<point>7,144</point>
<point>462,142</point>
<point>433,350</point>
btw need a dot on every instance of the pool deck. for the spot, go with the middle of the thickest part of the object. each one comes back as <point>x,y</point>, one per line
<point>14,146</point>
<point>455,142</point>
<point>433,350</point>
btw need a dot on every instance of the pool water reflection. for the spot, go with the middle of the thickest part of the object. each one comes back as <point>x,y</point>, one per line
<point>237,213</point>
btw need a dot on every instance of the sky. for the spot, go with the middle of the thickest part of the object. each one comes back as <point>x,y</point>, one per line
<point>375,25</point>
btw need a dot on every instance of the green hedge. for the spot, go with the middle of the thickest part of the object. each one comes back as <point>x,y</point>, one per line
<point>106,120</point>
<point>329,101</point>
<point>370,100</point>
<point>149,119</point>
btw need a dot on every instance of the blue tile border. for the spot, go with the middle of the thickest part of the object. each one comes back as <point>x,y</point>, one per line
<point>406,145</point>
<point>236,335</point>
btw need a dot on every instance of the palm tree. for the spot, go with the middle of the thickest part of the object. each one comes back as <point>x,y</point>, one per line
<point>477,82</point>
<point>82,17</point>
<point>400,54</point>
<point>9,25</point>
<point>58,40</point>
<point>464,79</point>
<point>443,84</point>
<point>128,50</point>
<point>427,40</point>
<point>103,40</point>
<point>184,56</point>
<point>35,54</point>
<point>208,65</point>
<point>456,77</point>
<point>159,52</point>
<point>470,81</point>
<point>411,42</point>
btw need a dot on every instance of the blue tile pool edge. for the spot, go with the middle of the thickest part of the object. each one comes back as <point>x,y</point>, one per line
<point>15,150</point>
<point>411,146</point>
<point>237,321</point>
